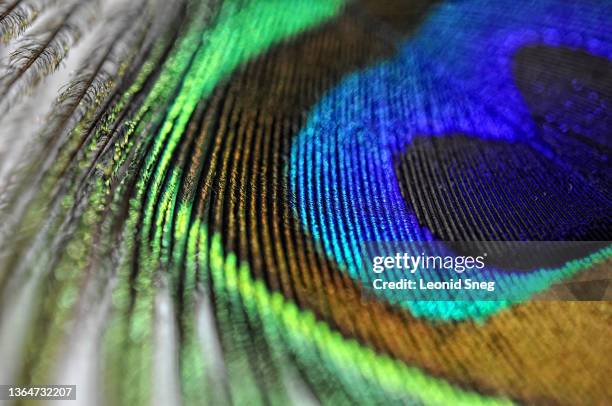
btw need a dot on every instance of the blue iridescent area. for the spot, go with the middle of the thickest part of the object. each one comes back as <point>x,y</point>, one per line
<point>453,77</point>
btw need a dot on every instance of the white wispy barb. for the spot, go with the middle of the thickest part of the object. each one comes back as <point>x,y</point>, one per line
<point>118,40</point>
<point>16,16</point>
<point>41,51</point>
<point>107,58</point>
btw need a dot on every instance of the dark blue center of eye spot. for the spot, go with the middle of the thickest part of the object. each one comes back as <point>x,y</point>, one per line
<point>569,94</point>
<point>463,188</point>
<point>466,188</point>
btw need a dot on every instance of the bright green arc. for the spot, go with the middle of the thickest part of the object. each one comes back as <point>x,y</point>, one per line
<point>360,367</point>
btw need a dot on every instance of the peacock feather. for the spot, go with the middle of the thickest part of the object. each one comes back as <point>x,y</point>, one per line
<point>186,187</point>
